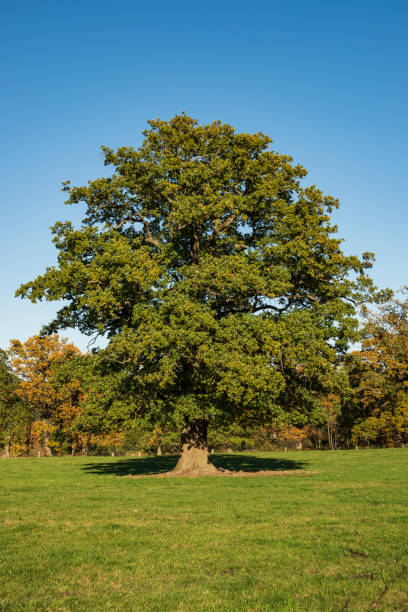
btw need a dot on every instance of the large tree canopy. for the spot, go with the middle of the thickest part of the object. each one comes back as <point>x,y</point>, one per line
<point>216,275</point>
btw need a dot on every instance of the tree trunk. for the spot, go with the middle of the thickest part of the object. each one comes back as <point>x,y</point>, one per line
<point>47,452</point>
<point>330,436</point>
<point>28,440</point>
<point>7,447</point>
<point>194,458</point>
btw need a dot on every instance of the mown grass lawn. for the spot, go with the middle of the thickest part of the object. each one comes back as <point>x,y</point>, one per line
<point>77,535</point>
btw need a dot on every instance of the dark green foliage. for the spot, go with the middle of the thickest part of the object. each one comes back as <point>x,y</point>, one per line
<point>14,414</point>
<point>215,274</point>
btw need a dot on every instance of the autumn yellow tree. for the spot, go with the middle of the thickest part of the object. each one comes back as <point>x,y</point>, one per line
<point>380,378</point>
<point>33,362</point>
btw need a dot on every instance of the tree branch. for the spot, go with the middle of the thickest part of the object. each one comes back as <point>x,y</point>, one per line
<point>139,219</point>
<point>218,228</point>
<point>147,235</point>
<point>267,307</point>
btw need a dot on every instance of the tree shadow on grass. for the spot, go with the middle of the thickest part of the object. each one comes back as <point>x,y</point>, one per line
<point>252,463</point>
<point>159,465</point>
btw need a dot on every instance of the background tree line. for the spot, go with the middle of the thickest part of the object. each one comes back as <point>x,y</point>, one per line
<point>49,393</point>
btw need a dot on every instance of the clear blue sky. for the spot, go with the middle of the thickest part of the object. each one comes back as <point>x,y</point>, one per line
<point>326,80</point>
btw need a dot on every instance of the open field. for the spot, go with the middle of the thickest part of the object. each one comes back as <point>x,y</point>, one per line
<point>76,535</point>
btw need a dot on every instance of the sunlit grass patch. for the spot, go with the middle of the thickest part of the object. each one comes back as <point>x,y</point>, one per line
<point>77,535</point>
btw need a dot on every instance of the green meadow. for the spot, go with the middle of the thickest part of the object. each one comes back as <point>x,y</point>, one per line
<point>330,534</point>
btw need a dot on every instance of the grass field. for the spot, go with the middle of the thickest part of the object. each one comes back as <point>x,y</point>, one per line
<point>77,535</point>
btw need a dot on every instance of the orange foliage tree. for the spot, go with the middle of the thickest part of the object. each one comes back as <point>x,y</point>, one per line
<point>34,362</point>
<point>380,378</point>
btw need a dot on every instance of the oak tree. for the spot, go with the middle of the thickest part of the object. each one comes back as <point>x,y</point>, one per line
<point>216,275</point>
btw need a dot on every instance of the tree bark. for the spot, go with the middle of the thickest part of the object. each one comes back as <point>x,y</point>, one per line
<point>194,457</point>
<point>7,447</point>
<point>28,440</point>
<point>47,452</point>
